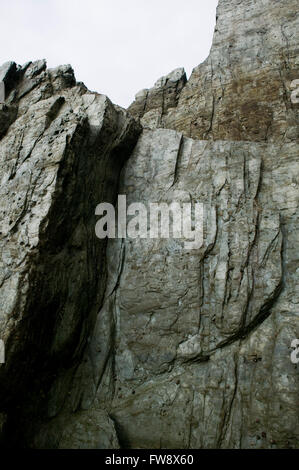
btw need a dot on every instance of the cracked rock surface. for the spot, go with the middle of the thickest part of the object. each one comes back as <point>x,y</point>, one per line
<point>144,343</point>
<point>201,339</point>
<point>242,90</point>
<point>61,154</point>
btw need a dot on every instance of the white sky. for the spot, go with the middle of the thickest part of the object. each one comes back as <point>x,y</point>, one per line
<point>116,47</point>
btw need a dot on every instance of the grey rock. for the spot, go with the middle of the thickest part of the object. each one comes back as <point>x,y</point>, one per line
<point>201,339</point>
<point>59,157</point>
<point>7,72</point>
<point>242,90</point>
<point>144,343</point>
<point>91,429</point>
<point>151,105</point>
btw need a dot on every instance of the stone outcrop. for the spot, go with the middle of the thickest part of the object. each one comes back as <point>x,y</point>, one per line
<point>242,90</point>
<point>60,156</point>
<point>202,338</point>
<point>142,343</point>
<point>150,106</point>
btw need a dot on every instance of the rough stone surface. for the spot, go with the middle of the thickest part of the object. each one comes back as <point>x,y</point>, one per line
<point>242,90</point>
<point>60,156</point>
<point>92,429</point>
<point>201,339</point>
<point>142,343</point>
<point>151,105</point>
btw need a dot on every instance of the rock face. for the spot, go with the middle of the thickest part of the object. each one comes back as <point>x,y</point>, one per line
<point>144,343</point>
<point>242,91</point>
<point>203,337</point>
<point>152,105</point>
<point>61,155</point>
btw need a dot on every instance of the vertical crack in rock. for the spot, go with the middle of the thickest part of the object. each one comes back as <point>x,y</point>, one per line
<point>60,158</point>
<point>236,93</point>
<point>147,343</point>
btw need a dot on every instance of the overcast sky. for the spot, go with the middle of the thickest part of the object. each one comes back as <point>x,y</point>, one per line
<point>116,47</point>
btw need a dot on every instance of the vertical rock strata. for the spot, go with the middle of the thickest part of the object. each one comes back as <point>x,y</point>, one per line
<point>61,155</point>
<point>242,90</point>
<point>142,343</point>
<point>203,337</point>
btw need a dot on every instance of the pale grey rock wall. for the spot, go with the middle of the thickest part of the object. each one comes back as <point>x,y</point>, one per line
<point>142,343</point>
<point>60,156</point>
<point>242,90</point>
<point>151,105</point>
<point>192,348</point>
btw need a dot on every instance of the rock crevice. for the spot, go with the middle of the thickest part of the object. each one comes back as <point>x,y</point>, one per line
<point>142,342</point>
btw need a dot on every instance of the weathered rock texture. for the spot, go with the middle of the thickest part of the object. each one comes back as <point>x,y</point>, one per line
<point>203,338</point>
<point>61,154</point>
<point>242,91</point>
<point>142,343</point>
<point>152,105</point>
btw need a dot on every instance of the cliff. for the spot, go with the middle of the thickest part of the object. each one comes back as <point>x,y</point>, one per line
<point>142,343</point>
